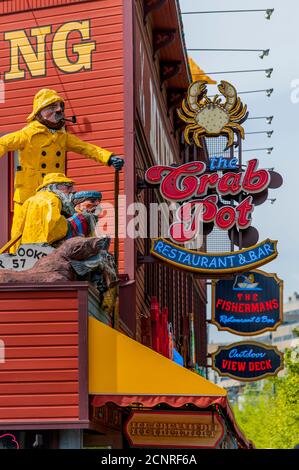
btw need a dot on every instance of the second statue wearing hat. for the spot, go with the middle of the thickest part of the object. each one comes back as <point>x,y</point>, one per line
<point>44,216</point>
<point>42,146</point>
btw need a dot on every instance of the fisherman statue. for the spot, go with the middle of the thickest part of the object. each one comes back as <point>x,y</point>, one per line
<point>56,216</point>
<point>42,147</point>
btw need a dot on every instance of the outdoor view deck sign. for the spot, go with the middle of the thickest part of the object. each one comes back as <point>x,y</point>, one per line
<point>247,361</point>
<point>249,304</point>
<point>214,263</point>
<point>175,429</point>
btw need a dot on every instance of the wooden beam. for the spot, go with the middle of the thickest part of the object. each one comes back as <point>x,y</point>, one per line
<point>151,5</point>
<point>175,97</point>
<point>169,69</point>
<point>162,38</point>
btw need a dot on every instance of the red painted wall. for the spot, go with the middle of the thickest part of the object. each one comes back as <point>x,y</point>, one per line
<point>95,94</point>
<point>13,6</point>
<point>40,378</point>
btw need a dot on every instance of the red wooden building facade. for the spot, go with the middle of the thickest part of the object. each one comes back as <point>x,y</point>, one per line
<point>122,68</point>
<point>105,57</point>
<point>161,78</point>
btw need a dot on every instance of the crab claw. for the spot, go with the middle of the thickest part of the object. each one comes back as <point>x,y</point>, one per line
<point>196,91</point>
<point>230,93</point>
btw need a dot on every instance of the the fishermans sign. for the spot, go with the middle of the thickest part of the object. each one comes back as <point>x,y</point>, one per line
<point>249,304</point>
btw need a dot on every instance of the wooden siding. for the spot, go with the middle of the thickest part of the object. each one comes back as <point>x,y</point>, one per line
<point>96,96</point>
<point>14,6</point>
<point>40,378</point>
<point>173,289</point>
<point>142,302</point>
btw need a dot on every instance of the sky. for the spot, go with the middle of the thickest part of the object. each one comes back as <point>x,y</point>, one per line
<point>278,221</point>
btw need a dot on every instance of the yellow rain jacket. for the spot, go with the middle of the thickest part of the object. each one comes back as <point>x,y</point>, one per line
<point>42,152</point>
<point>42,221</point>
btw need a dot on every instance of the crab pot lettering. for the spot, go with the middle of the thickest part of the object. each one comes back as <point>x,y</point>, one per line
<point>189,185</point>
<point>186,227</point>
<point>221,163</point>
<point>191,180</point>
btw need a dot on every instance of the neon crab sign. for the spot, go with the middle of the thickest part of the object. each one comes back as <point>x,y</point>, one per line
<point>210,118</point>
<point>189,184</point>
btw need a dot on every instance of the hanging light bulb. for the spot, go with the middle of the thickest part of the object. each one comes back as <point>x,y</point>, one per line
<point>269,133</point>
<point>269,150</point>
<point>269,119</point>
<point>269,13</point>
<point>264,53</point>
<point>269,91</point>
<point>268,72</point>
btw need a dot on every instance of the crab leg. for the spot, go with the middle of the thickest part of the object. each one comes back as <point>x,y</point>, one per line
<point>188,129</point>
<point>239,115</point>
<point>237,108</point>
<point>188,111</point>
<point>184,118</point>
<point>197,134</point>
<point>230,135</point>
<point>235,125</point>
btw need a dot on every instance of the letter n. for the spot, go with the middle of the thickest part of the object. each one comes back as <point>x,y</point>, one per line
<point>34,60</point>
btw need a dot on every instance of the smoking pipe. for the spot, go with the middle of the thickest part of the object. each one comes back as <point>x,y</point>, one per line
<point>73,119</point>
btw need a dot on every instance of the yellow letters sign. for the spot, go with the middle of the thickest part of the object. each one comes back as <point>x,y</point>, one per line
<point>35,56</point>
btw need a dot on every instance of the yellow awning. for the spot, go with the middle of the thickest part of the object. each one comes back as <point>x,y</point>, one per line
<point>198,74</point>
<point>124,372</point>
<point>120,365</point>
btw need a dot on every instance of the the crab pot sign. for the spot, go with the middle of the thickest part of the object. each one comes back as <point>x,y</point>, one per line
<point>188,184</point>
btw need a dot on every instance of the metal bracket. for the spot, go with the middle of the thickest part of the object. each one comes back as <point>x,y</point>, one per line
<point>142,184</point>
<point>141,259</point>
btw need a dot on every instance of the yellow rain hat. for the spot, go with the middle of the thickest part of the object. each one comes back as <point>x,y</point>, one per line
<point>54,178</point>
<point>42,99</point>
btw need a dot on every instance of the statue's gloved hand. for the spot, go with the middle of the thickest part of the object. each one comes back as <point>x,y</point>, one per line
<point>117,162</point>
